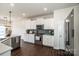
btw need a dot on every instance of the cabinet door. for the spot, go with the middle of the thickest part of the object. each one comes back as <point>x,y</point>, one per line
<point>51,41</point>
<point>61,35</point>
<point>48,40</point>
<point>31,38</point>
<point>45,41</point>
<point>49,24</point>
<point>24,37</point>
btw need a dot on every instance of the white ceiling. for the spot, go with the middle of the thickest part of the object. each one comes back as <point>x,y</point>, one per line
<point>32,9</point>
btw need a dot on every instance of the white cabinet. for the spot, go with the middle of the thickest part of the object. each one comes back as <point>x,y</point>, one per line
<point>61,34</point>
<point>48,40</point>
<point>29,38</point>
<point>49,23</point>
<point>32,25</point>
<point>46,24</point>
<point>23,36</point>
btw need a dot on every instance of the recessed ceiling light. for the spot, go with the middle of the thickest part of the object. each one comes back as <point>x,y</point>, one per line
<point>12,4</point>
<point>23,14</point>
<point>45,9</point>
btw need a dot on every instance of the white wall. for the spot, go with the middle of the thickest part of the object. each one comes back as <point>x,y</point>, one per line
<point>76,31</point>
<point>18,27</point>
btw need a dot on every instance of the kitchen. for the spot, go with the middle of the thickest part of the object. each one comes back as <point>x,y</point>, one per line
<point>45,29</point>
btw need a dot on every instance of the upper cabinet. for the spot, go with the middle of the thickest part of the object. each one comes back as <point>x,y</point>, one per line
<point>49,23</point>
<point>33,25</point>
<point>30,24</point>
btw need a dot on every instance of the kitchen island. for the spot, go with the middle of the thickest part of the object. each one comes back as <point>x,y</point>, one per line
<point>5,50</point>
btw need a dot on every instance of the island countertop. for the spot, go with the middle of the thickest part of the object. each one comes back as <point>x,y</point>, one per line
<point>4,48</point>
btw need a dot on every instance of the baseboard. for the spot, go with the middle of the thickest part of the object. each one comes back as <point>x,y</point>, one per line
<point>48,46</point>
<point>38,44</point>
<point>28,42</point>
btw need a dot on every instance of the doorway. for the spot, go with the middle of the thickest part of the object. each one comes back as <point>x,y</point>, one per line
<point>69,31</point>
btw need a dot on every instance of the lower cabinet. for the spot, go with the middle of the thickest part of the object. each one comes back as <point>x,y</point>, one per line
<point>29,38</point>
<point>48,40</point>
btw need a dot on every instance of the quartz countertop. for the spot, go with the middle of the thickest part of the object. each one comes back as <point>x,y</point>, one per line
<point>4,48</point>
<point>4,39</point>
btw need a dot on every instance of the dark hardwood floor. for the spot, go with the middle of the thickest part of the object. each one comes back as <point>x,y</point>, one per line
<point>28,49</point>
